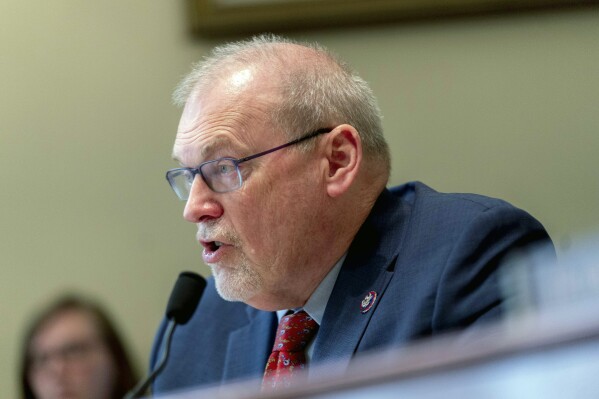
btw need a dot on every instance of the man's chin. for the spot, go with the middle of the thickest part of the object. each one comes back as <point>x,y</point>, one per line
<point>229,294</point>
<point>226,289</point>
<point>231,288</point>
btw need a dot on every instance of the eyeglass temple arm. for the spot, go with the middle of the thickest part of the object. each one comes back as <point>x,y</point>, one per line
<point>298,140</point>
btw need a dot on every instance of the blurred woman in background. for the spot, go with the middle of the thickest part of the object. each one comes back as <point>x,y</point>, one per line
<point>72,350</point>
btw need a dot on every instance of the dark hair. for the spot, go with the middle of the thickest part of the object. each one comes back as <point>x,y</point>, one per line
<point>126,376</point>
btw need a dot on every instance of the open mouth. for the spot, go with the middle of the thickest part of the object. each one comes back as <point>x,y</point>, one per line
<point>213,251</point>
<point>213,246</point>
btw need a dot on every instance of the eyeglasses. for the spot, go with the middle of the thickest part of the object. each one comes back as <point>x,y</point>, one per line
<point>72,352</point>
<point>221,175</point>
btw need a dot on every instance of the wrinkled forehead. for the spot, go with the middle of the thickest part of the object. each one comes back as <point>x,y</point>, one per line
<point>226,117</point>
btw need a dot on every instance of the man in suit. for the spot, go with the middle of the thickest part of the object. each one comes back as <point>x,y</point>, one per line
<point>284,168</point>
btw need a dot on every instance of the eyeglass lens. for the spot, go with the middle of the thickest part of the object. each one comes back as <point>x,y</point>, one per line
<point>221,175</point>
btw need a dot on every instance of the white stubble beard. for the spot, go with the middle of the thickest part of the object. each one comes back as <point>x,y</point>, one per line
<point>236,282</point>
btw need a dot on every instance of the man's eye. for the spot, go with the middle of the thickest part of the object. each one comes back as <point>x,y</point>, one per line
<point>225,168</point>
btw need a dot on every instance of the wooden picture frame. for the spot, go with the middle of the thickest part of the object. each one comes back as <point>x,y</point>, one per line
<point>221,17</point>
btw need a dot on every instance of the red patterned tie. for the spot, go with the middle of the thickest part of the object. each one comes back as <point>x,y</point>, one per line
<point>293,334</point>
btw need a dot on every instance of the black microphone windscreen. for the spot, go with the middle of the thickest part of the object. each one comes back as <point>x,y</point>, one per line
<point>185,297</point>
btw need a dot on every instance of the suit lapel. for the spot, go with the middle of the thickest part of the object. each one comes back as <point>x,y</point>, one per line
<point>368,267</point>
<point>250,345</point>
<point>344,322</point>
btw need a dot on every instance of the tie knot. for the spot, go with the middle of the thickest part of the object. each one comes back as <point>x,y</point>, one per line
<point>294,332</point>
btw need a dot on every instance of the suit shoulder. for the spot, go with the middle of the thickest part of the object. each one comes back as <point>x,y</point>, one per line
<point>452,212</point>
<point>423,197</point>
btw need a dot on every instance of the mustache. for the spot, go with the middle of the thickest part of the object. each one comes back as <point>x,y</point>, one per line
<point>213,229</point>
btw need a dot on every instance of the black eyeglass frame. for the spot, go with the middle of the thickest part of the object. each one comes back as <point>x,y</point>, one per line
<point>172,173</point>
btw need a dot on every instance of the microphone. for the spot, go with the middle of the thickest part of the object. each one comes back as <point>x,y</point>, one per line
<point>183,301</point>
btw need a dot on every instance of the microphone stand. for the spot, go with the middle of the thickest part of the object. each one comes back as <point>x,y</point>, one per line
<point>143,385</point>
<point>182,303</point>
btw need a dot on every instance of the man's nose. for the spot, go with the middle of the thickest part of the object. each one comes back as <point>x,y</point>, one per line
<point>201,204</point>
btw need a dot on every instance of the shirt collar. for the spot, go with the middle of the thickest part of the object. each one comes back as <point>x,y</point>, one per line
<point>317,302</point>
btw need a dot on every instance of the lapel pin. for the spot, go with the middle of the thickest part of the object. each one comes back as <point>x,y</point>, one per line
<point>368,301</point>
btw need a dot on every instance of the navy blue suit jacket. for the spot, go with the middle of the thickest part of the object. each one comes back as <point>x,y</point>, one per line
<point>432,259</point>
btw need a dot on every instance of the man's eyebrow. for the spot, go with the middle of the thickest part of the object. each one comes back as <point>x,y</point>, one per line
<point>204,152</point>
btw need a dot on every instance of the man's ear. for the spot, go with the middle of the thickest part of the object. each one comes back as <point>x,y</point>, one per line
<point>344,156</point>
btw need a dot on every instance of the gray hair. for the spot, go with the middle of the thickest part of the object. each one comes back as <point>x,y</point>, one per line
<point>319,91</point>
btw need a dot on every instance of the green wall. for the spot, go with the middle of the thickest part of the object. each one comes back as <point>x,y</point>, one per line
<point>505,106</point>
